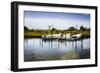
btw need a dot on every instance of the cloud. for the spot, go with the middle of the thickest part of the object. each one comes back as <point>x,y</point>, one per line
<point>58,23</point>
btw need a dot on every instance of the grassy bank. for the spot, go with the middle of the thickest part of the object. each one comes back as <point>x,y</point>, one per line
<point>40,33</point>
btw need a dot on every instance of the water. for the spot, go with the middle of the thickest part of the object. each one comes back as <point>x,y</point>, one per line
<point>40,50</point>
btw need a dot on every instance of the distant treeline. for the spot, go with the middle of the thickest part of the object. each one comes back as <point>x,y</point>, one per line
<point>54,29</point>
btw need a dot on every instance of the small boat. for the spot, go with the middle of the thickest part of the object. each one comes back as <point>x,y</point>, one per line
<point>53,36</point>
<point>76,36</point>
<point>49,37</point>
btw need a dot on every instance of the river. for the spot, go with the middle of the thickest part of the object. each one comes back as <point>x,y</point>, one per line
<point>36,49</point>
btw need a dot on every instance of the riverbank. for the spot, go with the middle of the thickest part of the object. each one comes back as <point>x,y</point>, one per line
<point>39,34</point>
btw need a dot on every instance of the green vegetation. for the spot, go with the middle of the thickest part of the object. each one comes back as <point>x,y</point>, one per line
<point>39,33</point>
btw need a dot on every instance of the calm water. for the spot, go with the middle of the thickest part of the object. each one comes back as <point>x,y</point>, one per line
<point>40,50</point>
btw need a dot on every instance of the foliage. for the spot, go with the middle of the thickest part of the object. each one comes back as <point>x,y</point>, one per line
<point>25,28</point>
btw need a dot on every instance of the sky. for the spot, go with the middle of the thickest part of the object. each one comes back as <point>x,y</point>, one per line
<point>42,20</point>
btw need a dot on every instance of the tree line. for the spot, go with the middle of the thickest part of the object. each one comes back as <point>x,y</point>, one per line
<point>82,28</point>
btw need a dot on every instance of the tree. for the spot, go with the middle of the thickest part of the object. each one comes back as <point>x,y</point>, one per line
<point>72,29</point>
<point>84,28</point>
<point>25,28</point>
<point>54,30</point>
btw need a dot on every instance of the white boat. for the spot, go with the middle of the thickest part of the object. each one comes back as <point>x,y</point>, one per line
<point>67,36</point>
<point>62,37</point>
<point>76,36</point>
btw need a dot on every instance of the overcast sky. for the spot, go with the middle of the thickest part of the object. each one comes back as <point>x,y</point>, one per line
<point>41,20</point>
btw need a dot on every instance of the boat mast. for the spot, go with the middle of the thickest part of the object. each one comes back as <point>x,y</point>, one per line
<point>76,39</point>
<point>49,29</point>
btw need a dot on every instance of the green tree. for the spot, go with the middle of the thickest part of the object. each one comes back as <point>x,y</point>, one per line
<point>84,28</point>
<point>54,30</point>
<point>25,28</point>
<point>72,29</point>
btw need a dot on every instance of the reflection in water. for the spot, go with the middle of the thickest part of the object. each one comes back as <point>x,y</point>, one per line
<point>40,50</point>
